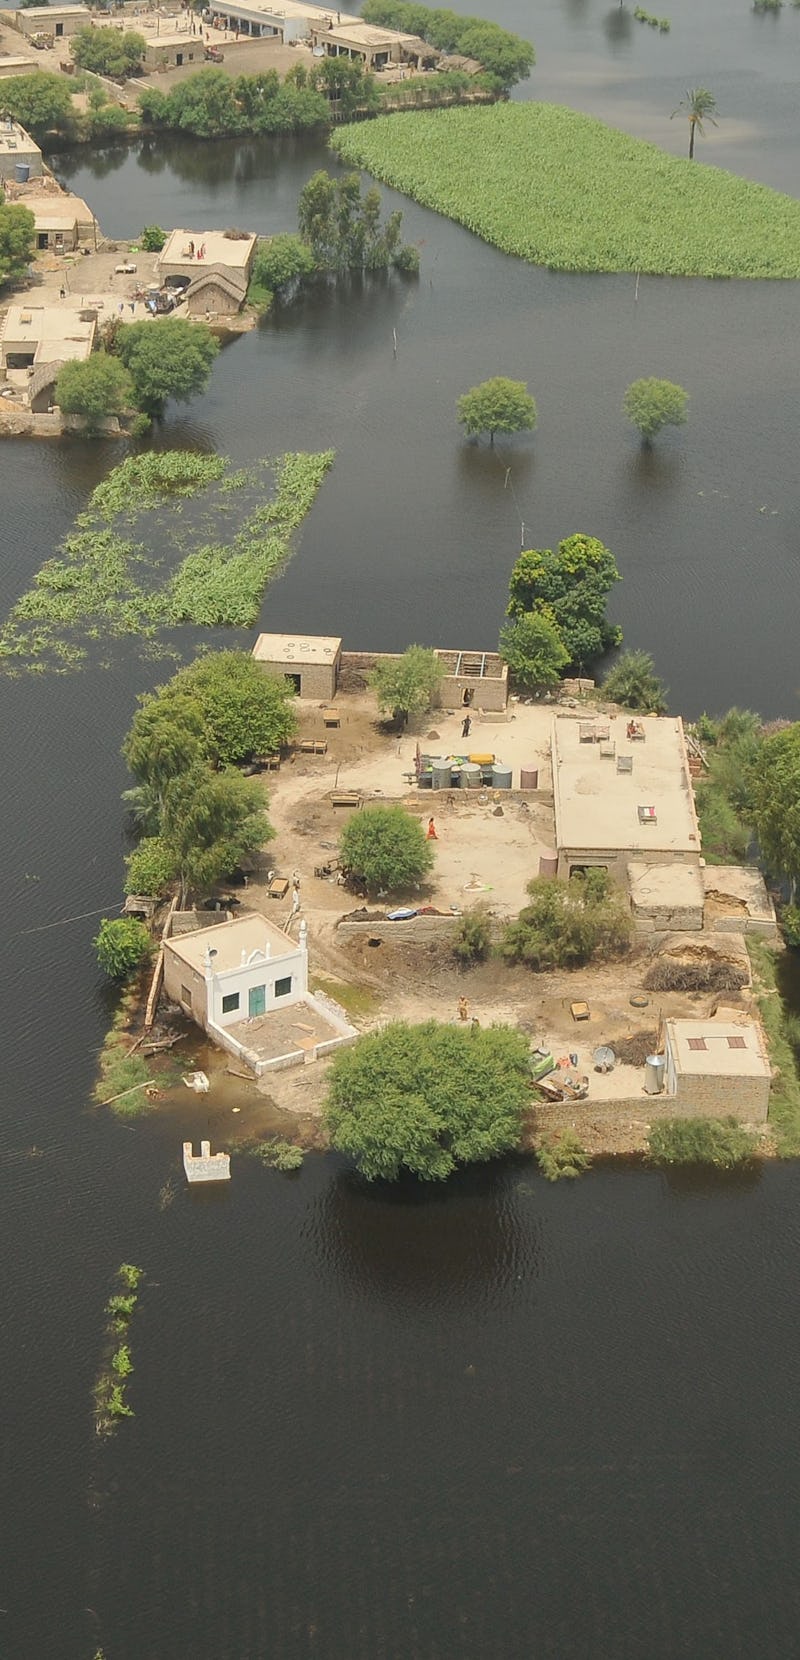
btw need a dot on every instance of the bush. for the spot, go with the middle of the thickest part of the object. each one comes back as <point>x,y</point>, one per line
<point>534,650</point>
<point>385,848</point>
<point>278,1155</point>
<point>150,868</point>
<point>472,942</point>
<point>96,388</point>
<point>652,404</point>
<point>152,239</point>
<point>281,260</point>
<point>634,683</point>
<point>427,1098</point>
<point>122,944</point>
<point>566,925</point>
<point>720,1141</point>
<point>407,685</point>
<point>561,1157</point>
<point>121,1362</point>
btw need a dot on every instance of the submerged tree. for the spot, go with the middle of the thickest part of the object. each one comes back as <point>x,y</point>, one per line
<point>497,405</point>
<point>343,229</point>
<point>698,106</point>
<point>652,404</point>
<point>570,586</point>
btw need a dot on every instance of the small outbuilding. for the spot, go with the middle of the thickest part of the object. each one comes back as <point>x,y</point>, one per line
<point>718,1068</point>
<point>58,21</point>
<point>216,292</point>
<point>34,335</point>
<point>310,661</point>
<point>476,679</point>
<point>20,157</point>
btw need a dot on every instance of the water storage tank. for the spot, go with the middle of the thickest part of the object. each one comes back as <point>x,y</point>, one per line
<point>470,778</point>
<point>424,780</point>
<point>501,777</point>
<point>22,172</point>
<point>440,774</point>
<point>529,778</point>
<point>654,1074</point>
<point>548,864</point>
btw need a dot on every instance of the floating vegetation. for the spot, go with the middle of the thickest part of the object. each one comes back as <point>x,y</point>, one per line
<point>276,1154</point>
<point>566,191</point>
<point>110,1402</point>
<point>661,23</point>
<point>106,584</point>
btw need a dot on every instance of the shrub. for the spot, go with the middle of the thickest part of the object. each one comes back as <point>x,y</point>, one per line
<point>281,260</point>
<point>129,1275</point>
<point>279,1155</point>
<point>150,868</point>
<point>566,925</point>
<point>720,1141</point>
<point>152,239</point>
<point>634,683</point>
<point>561,1157</point>
<point>121,1362</point>
<point>122,944</point>
<point>472,941</point>
<point>407,685</point>
<point>385,848</point>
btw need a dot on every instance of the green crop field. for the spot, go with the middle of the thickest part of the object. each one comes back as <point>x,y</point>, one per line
<point>566,191</point>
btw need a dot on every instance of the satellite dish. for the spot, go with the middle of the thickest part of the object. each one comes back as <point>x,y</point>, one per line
<point>604,1059</point>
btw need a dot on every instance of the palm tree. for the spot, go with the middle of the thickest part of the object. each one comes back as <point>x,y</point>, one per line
<point>700,105</point>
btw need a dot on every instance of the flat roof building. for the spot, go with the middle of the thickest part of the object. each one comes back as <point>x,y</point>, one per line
<point>373,46</point>
<point>718,1067</point>
<point>35,334</point>
<point>20,156</point>
<point>187,254</point>
<point>16,66</point>
<point>310,661</point>
<point>622,790</point>
<point>57,21</point>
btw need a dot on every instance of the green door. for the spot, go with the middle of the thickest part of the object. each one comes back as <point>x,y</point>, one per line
<point>256,1000</point>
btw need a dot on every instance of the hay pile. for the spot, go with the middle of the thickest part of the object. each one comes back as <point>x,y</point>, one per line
<point>687,962</point>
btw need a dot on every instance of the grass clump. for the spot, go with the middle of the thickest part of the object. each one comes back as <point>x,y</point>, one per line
<point>783,1043</point>
<point>277,1154</point>
<point>109,1391</point>
<point>723,1142</point>
<point>562,1158</point>
<point>564,190</point>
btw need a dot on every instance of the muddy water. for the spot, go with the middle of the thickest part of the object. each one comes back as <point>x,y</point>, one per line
<point>497,1420</point>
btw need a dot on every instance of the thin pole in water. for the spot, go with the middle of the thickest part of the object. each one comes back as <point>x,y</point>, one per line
<point>636,293</point>
<point>394,342</point>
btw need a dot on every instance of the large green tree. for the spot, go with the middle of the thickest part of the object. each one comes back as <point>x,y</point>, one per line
<point>775,803</point>
<point>426,1099</point>
<point>166,739</point>
<point>385,849</point>
<point>343,229</point>
<point>95,388</point>
<point>41,102</point>
<point>280,260</point>
<point>166,358</point>
<point>571,586</point>
<point>652,404</point>
<point>407,685</point>
<point>244,710</point>
<point>497,405</point>
<point>108,51</point>
<point>17,240</point>
<point>534,650</point>
<point>698,106</point>
<point>210,821</point>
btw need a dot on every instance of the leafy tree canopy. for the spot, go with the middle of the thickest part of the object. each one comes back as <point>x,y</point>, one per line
<point>407,684</point>
<point>497,405</point>
<point>108,51</point>
<point>652,404</point>
<point>633,682</point>
<point>152,239</point>
<point>280,260</point>
<point>386,849</point>
<point>210,821</point>
<point>150,868</point>
<point>534,650</point>
<point>571,586</point>
<point>166,738</point>
<point>17,241</point>
<point>42,102</point>
<point>506,56</point>
<point>244,710</point>
<point>775,800</point>
<point>168,358</point>
<point>343,229</point>
<point>569,923</point>
<point>428,1098</point>
<point>212,103</point>
<point>121,944</point>
<point>96,388</point>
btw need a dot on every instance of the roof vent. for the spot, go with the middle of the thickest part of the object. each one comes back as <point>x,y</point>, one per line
<point>647,815</point>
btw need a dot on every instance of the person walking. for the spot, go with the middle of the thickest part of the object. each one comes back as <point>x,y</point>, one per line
<point>463,1009</point>
<point>465,726</point>
<point>430,833</point>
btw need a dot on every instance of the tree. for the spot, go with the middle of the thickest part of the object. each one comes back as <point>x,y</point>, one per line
<point>386,849</point>
<point>168,358</point>
<point>281,260</point>
<point>343,229</point>
<point>652,404</point>
<point>244,710</point>
<point>96,388</point>
<point>567,924</point>
<point>348,84</point>
<point>108,51</point>
<point>699,105</point>
<point>504,55</point>
<point>571,587</point>
<point>17,241</point>
<point>427,1098</point>
<point>634,683</point>
<point>150,868</point>
<point>106,120</point>
<point>407,685</point>
<point>534,650</point>
<point>472,941</point>
<point>211,821</point>
<point>165,740</point>
<point>41,102</point>
<point>775,801</point>
<point>121,944</point>
<point>497,405</point>
<point>152,239</point>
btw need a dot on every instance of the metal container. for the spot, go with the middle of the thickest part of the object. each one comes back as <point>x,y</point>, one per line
<point>470,776</point>
<point>22,172</point>
<point>440,774</point>
<point>501,777</point>
<point>529,778</point>
<point>654,1074</point>
<point>424,781</point>
<point>486,775</point>
<point>548,864</point>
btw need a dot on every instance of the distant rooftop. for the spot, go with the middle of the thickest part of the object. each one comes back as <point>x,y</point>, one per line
<point>41,14</point>
<point>295,9</point>
<point>245,934</point>
<point>53,331</point>
<point>356,33</point>
<point>14,137</point>
<point>305,649</point>
<point>599,806</point>
<point>719,1048</point>
<point>219,250</point>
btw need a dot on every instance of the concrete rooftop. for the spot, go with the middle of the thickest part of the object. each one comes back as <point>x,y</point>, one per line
<point>15,139</point>
<point>597,807</point>
<point>746,1056</point>
<point>296,648</point>
<point>248,933</point>
<point>219,250</point>
<point>52,331</point>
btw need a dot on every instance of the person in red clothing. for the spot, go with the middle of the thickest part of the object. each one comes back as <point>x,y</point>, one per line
<point>431,831</point>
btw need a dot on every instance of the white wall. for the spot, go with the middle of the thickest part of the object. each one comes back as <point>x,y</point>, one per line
<point>260,970</point>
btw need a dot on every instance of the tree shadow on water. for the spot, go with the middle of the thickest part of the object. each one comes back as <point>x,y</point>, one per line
<point>618,26</point>
<point>653,471</point>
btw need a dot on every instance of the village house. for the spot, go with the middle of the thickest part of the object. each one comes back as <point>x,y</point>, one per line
<point>473,679</point>
<point>17,65</point>
<point>57,21</point>
<point>35,342</point>
<point>188,256</point>
<point>238,979</point>
<point>311,662</point>
<point>63,222</point>
<point>20,157</point>
<point>376,48</point>
<point>172,47</point>
<point>718,1068</point>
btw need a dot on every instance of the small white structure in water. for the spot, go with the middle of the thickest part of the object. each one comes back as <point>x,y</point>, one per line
<point>209,1167</point>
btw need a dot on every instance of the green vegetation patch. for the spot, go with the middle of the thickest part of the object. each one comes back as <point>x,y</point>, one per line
<point>719,1141</point>
<point>564,190</point>
<point>124,568</point>
<point>110,1401</point>
<point>783,1046</point>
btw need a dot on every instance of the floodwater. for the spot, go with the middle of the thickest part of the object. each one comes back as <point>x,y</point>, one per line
<point>503,1419</point>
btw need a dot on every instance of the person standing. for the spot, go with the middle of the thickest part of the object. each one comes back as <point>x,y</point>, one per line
<point>430,833</point>
<point>463,1009</point>
<point>465,726</point>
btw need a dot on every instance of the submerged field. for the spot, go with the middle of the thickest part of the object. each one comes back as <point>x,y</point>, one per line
<point>566,191</point>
